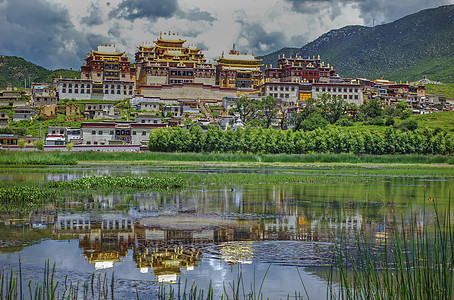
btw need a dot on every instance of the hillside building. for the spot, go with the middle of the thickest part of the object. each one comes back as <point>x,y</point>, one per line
<point>42,95</point>
<point>117,132</point>
<point>169,61</point>
<point>106,75</point>
<point>240,71</point>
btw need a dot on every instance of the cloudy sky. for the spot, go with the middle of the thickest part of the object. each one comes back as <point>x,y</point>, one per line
<point>59,33</point>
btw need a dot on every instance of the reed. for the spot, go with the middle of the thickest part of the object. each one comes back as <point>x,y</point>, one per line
<point>414,262</point>
<point>13,287</point>
<point>25,158</point>
<point>21,158</point>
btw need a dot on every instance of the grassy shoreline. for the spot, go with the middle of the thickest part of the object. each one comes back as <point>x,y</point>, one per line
<point>18,158</point>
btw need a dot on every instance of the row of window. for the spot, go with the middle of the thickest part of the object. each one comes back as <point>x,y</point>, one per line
<point>281,96</point>
<point>119,132</point>
<point>336,89</point>
<point>281,88</point>
<point>148,121</point>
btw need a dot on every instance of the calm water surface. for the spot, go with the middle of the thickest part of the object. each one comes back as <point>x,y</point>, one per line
<point>203,235</point>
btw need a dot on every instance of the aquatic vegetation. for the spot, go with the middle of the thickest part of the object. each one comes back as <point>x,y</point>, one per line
<point>109,182</point>
<point>19,199</point>
<point>35,158</point>
<point>26,159</point>
<point>13,287</point>
<point>413,262</point>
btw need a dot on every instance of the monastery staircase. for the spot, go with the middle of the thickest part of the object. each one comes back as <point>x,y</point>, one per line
<point>205,110</point>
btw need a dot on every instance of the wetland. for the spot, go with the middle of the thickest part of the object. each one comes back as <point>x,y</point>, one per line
<point>236,229</point>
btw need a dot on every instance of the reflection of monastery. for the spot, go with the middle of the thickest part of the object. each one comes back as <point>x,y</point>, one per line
<point>166,245</point>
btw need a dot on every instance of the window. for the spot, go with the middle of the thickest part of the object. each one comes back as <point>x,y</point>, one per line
<point>143,121</point>
<point>100,132</point>
<point>93,132</point>
<point>88,142</point>
<point>111,132</point>
<point>95,143</point>
<point>144,132</point>
<point>133,132</point>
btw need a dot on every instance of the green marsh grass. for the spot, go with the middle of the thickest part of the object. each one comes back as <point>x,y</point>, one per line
<point>25,158</point>
<point>20,158</point>
<point>14,287</point>
<point>415,262</point>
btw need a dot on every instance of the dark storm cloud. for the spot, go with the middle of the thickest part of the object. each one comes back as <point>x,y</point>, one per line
<point>43,33</point>
<point>145,9</point>
<point>95,16</point>
<point>260,41</point>
<point>370,10</point>
<point>197,15</point>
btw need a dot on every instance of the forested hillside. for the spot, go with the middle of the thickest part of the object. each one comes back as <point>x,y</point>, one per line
<point>407,49</point>
<point>15,70</point>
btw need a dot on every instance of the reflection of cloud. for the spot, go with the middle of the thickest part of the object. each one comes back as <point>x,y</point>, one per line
<point>237,252</point>
<point>102,265</point>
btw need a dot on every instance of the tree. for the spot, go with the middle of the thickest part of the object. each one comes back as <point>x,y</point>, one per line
<point>283,108</point>
<point>38,145</point>
<point>371,109</point>
<point>69,146</point>
<point>302,115</point>
<point>21,144</point>
<point>247,108</point>
<point>331,108</point>
<point>313,121</point>
<point>268,106</point>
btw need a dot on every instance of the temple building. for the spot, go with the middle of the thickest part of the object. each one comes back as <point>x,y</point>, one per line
<point>299,69</point>
<point>298,79</point>
<point>106,75</point>
<point>171,71</point>
<point>240,71</point>
<point>169,61</point>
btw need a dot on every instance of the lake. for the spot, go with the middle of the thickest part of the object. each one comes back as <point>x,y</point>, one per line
<point>276,238</point>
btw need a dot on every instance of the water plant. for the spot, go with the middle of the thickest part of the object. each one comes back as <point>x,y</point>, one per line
<point>411,261</point>
<point>14,287</point>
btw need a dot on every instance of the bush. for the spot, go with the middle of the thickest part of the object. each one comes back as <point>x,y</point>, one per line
<point>411,125</point>
<point>389,121</point>
<point>38,145</point>
<point>21,144</point>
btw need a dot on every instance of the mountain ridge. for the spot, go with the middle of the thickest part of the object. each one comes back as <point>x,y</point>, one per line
<point>16,70</point>
<point>415,45</point>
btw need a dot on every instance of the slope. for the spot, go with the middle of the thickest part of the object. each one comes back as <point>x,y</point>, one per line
<point>15,70</point>
<point>408,48</point>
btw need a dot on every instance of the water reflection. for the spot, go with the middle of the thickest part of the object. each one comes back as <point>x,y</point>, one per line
<point>202,234</point>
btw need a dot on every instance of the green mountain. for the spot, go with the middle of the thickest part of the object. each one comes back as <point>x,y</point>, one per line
<point>407,49</point>
<point>15,70</point>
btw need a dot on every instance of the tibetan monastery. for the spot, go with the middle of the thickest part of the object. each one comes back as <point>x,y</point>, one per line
<point>298,79</point>
<point>169,70</point>
<point>106,75</point>
<point>241,71</point>
<point>168,61</point>
<point>299,69</point>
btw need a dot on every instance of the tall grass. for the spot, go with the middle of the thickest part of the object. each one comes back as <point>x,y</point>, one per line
<point>19,158</point>
<point>13,286</point>
<point>25,158</point>
<point>414,262</point>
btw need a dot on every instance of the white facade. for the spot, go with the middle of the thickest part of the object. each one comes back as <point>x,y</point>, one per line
<point>83,89</point>
<point>351,93</point>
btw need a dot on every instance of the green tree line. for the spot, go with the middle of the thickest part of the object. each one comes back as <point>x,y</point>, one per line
<point>331,139</point>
